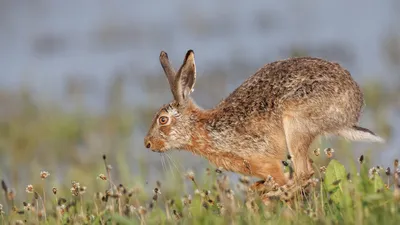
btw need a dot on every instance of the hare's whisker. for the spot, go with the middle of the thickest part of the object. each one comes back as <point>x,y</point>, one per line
<point>168,162</point>
<point>174,164</point>
<point>163,163</point>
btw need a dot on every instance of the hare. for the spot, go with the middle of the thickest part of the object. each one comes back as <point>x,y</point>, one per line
<point>283,107</point>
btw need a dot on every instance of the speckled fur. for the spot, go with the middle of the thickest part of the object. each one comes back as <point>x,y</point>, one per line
<point>283,106</point>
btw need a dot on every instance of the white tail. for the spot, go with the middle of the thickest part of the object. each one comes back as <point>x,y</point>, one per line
<point>356,133</point>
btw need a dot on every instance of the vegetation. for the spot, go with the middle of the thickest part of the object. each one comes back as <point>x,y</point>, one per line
<point>363,196</point>
<point>62,166</point>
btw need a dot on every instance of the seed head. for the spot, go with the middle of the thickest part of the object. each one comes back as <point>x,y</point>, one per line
<point>61,209</point>
<point>82,190</point>
<point>157,191</point>
<point>29,188</point>
<point>54,189</point>
<point>229,194</point>
<point>171,202</point>
<point>219,170</point>
<point>190,175</point>
<point>244,180</point>
<point>27,206</point>
<point>74,192</point>
<point>176,214</point>
<point>61,201</point>
<point>317,152</point>
<point>361,159</point>
<point>44,174</point>
<point>76,189</point>
<point>4,186</point>
<point>372,172</point>
<point>102,177</point>
<point>314,182</point>
<point>121,189</point>
<point>348,177</point>
<point>142,210</point>
<point>329,152</point>
<point>186,200</point>
<point>322,169</point>
<point>388,171</point>
<point>75,184</point>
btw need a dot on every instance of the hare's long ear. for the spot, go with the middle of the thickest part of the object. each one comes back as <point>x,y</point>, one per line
<point>185,78</point>
<point>169,72</point>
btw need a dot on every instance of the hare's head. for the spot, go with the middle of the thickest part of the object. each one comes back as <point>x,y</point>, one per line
<point>172,123</point>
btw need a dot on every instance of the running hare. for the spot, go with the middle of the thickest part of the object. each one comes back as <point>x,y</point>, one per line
<point>284,106</point>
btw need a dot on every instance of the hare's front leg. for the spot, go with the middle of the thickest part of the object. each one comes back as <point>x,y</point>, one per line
<point>299,137</point>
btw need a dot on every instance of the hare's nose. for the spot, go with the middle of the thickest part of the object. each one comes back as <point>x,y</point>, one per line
<point>147,143</point>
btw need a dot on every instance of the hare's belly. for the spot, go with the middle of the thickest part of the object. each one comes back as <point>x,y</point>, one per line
<point>258,165</point>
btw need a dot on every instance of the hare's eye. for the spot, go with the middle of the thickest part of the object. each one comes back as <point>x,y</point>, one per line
<point>163,120</point>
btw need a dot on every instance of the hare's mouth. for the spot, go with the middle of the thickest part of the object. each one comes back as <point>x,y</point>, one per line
<point>159,150</point>
<point>156,150</point>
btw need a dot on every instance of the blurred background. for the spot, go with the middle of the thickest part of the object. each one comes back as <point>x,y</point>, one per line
<point>79,79</point>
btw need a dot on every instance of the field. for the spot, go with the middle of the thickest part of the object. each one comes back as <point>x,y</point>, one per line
<point>334,196</point>
<point>73,167</point>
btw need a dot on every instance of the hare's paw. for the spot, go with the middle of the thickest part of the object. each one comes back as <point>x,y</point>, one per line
<point>259,186</point>
<point>299,186</point>
<point>264,186</point>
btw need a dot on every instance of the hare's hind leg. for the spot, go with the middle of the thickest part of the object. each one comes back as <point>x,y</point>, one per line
<point>273,175</point>
<point>298,140</point>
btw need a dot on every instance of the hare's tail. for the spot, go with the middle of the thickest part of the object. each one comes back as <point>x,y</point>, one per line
<point>356,133</point>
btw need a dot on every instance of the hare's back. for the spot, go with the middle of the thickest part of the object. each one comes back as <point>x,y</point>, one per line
<point>296,80</point>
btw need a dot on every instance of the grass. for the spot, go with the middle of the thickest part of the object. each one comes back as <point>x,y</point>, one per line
<point>85,187</point>
<point>332,196</point>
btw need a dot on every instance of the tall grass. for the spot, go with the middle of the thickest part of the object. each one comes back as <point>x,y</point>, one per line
<point>333,196</point>
<point>85,186</point>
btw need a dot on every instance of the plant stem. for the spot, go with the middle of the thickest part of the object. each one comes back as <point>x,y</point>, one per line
<point>44,201</point>
<point>81,198</point>
<point>37,208</point>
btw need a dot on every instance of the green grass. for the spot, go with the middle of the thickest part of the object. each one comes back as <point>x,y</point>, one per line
<point>333,196</point>
<point>70,145</point>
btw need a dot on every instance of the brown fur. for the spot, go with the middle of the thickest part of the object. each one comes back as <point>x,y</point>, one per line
<point>283,106</point>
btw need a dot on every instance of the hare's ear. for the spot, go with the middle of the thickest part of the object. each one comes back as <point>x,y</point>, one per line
<point>185,78</point>
<point>169,72</point>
